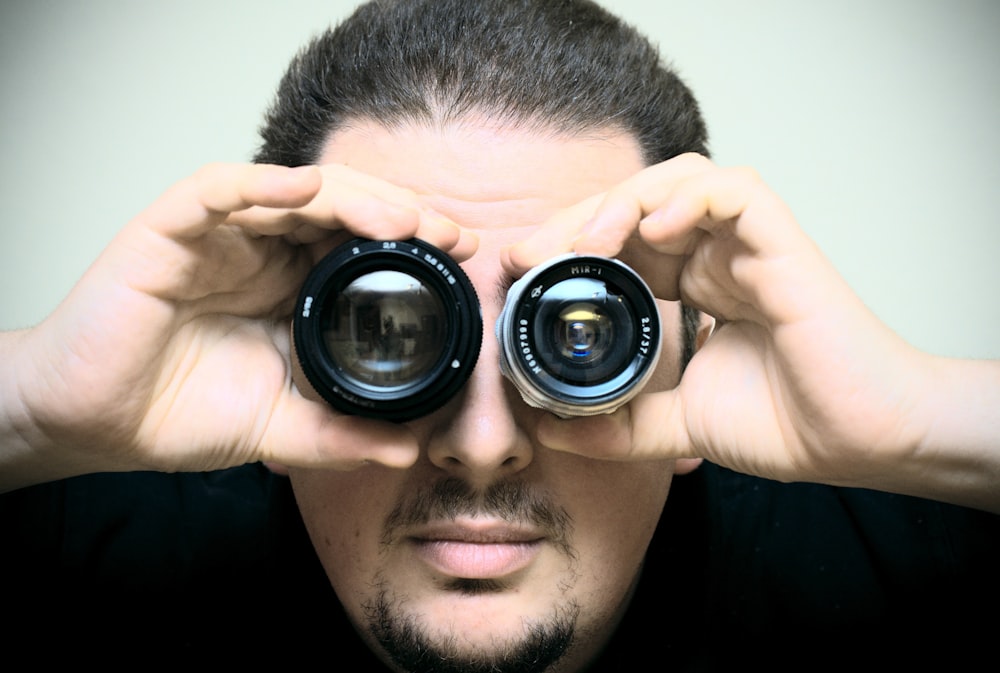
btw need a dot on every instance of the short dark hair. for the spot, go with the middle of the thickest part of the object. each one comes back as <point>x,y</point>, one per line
<point>567,65</point>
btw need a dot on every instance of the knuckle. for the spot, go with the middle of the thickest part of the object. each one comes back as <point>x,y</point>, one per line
<point>693,160</point>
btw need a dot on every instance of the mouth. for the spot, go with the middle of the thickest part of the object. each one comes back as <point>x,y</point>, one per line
<point>473,549</point>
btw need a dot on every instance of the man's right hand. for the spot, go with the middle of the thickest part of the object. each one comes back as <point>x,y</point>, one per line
<point>172,353</point>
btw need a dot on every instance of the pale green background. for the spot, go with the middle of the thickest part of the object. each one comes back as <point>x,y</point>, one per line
<point>877,122</point>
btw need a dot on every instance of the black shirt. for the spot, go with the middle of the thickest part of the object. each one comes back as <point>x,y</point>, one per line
<point>217,567</point>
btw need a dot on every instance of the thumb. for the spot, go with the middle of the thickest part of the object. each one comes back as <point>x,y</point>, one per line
<point>304,433</point>
<point>650,427</point>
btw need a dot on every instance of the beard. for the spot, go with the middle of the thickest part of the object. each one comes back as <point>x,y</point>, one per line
<point>413,648</point>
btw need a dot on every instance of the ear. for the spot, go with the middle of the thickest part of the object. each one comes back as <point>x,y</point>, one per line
<point>705,328</point>
<point>277,468</point>
<point>686,465</point>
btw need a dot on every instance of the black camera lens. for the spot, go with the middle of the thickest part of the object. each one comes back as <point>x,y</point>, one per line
<point>387,329</point>
<point>579,335</point>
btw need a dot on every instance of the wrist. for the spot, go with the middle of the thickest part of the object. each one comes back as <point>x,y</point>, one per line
<point>960,449</point>
<point>27,453</point>
<point>19,437</point>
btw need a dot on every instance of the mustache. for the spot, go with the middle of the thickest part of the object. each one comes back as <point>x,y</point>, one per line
<point>512,501</point>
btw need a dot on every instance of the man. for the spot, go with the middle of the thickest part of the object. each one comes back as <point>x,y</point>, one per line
<point>490,535</point>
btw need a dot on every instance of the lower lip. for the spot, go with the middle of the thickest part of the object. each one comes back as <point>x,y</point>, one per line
<point>467,560</point>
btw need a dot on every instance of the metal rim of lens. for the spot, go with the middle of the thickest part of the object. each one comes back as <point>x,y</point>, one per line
<point>463,328</point>
<point>534,380</point>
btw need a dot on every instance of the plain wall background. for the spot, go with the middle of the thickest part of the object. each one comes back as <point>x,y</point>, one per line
<point>876,121</point>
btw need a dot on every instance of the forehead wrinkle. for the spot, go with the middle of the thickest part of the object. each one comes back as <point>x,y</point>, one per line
<point>484,211</point>
<point>486,177</point>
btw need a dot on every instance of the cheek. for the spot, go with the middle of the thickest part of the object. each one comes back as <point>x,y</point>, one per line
<point>614,521</point>
<point>616,511</point>
<point>342,512</point>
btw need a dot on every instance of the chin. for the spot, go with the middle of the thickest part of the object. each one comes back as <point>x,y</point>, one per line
<point>479,615</point>
<point>472,631</point>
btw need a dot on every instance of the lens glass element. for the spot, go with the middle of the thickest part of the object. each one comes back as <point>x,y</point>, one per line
<point>384,329</point>
<point>583,331</point>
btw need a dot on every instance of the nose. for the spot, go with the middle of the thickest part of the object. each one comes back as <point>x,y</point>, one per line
<point>480,437</point>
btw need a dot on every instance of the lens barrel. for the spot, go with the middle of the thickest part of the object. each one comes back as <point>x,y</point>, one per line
<point>387,329</point>
<point>579,335</point>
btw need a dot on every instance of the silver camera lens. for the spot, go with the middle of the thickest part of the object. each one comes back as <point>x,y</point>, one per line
<point>387,329</point>
<point>579,335</point>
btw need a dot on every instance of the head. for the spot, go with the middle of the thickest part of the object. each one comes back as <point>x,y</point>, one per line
<point>491,551</point>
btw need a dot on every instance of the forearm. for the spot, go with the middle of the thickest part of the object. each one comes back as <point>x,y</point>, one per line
<point>958,459</point>
<point>964,437</point>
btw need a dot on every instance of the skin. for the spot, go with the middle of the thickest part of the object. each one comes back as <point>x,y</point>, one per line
<point>503,185</point>
<point>171,353</point>
<point>800,382</point>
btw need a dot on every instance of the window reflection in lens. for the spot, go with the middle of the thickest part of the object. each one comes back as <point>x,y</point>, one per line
<point>583,332</point>
<point>384,329</point>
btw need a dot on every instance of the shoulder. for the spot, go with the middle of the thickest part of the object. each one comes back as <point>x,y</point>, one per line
<point>738,560</point>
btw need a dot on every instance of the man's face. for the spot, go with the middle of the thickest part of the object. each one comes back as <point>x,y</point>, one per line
<point>490,546</point>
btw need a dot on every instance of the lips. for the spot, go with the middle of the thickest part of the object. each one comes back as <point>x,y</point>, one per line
<point>475,549</point>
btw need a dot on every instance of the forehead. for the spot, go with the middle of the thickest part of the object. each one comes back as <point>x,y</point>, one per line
<point>485,176</point>
<point>502,182</point>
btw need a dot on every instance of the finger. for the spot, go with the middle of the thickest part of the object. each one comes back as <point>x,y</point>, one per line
<point>603,224</point>
<point>726,202</point>
<point>465,247</point>
<point>618,215</point>
<point>338,205</point>
<point>459,243</point>
<point>303,433</point>
<point>429,225</point>
<point>555,237</point>
<point>202,201</point>
<point>661,272</point>
<point>362,205</point>
<point>650,427</point>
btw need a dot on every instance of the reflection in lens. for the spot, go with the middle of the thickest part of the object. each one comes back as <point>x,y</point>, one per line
<point>583,332</point>
<point>384,329</point>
